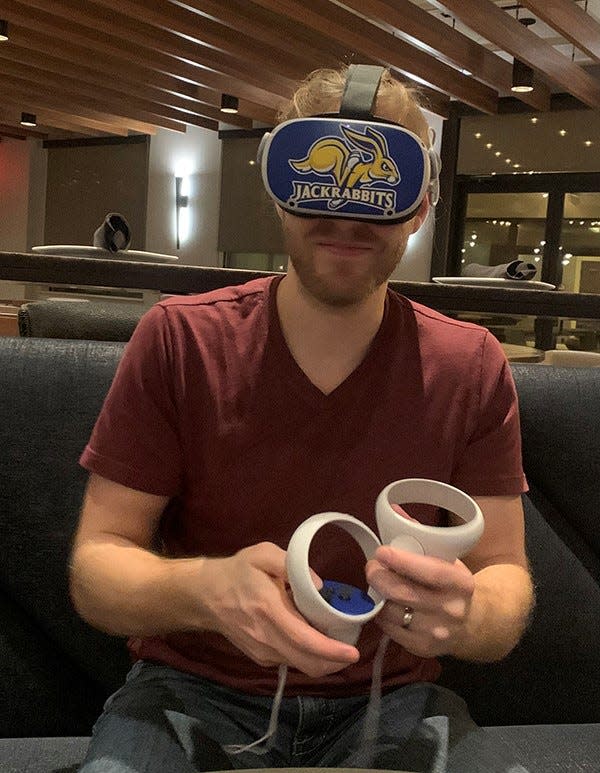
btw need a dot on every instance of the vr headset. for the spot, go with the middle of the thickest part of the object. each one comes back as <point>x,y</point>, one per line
<point>350,164</point>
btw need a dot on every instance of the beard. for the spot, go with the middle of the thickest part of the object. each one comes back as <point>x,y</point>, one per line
<point>342,283</point>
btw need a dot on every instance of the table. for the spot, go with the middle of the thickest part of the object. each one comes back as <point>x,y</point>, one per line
<point>519,353</point>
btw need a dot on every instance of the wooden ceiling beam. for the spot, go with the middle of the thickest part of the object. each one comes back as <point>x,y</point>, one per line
<point>52,117</point>
<point>181,31</point>
<point>15,133</point>
<point>367,38</point>
<point>571,21</point>
<point>249,83</point>
<point>281,31</point>
<point>497,26</point>
<point>424,30</point>
<point>39,96</point>
<point>28,64</point>
<point>272,29</point>
<point>74,55</point>
<point>134,33</point>
<point>125,105</point>
<point>49,50</point>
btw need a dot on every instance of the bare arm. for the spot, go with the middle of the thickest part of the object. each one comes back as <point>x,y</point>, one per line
<point>120,586</point>
<point>474,610</point>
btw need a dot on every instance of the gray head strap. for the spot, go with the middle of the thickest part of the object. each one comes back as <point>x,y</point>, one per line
<point>360,91</point>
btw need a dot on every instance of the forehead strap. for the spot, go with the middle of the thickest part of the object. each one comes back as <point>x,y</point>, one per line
<point>360,91</point>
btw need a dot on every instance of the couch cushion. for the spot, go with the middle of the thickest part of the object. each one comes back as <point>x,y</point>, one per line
<point>42,755</point>
<point>553,748</point>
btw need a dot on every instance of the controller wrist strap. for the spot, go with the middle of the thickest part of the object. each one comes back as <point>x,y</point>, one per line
<point>370,725</point>
<point>237,748</point>
<point>370,729</point>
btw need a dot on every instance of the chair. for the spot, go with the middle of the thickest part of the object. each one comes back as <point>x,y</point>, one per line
<point>569,358</point>
<point>79,319</point>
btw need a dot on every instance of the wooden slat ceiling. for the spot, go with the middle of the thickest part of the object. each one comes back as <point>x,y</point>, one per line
<point>116,67</point>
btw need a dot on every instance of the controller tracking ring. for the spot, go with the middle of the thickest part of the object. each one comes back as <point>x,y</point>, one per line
<point>309,602</point>
<point>447,542</point>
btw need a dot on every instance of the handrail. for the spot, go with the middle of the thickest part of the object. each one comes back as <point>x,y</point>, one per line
<point>185,279</point>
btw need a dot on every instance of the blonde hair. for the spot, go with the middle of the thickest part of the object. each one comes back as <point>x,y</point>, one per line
<point>321,92</point>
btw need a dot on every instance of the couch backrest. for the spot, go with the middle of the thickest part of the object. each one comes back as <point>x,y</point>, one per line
<point>55,670</point>
<point>553,676</point>
<point>79,319</point>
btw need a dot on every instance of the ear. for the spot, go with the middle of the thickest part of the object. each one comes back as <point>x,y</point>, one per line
<point>421,215</point>
<point>280,212</point>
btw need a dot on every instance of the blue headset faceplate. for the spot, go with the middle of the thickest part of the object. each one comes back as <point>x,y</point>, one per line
<point>346,168</point>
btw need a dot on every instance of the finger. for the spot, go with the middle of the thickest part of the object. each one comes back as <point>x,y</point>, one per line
<point>268,557</point>
<point>300,635</point>
<point>297,634</point>
<point>272,560</point>
<point>401,511</point>
<point>428,571</point>
<point>395,588</point>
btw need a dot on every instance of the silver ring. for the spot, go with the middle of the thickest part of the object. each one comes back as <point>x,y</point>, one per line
<point>407,617</point>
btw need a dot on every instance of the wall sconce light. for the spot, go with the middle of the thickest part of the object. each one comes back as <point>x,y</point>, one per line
<point>181,203</point>
<point>522,74</point>
<point>229,104</point>
<point>28,119</point>
<point>3,30</point>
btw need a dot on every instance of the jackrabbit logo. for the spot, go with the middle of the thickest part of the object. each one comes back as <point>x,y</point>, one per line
<point>352,165</point>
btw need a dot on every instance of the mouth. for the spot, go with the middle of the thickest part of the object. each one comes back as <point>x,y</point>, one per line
<point>345,249</point>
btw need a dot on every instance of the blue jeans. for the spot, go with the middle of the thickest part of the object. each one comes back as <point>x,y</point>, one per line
<point>165,721</point>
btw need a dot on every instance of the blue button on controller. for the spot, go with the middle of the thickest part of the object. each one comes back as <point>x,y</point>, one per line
<point>346,598</point>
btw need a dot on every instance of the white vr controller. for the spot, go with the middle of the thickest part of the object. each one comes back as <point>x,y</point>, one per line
<point>339,610</point>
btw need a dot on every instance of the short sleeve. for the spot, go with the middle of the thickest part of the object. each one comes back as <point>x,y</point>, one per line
<point>135,441</point>
<point>491,461</point>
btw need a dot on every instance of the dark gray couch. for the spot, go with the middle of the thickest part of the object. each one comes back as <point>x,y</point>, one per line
<point>55,671</point>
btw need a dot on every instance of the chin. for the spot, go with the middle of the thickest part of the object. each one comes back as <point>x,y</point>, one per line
<point>331,294</point>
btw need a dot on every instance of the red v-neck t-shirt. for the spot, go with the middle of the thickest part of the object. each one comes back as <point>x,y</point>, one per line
<point>209,408</point>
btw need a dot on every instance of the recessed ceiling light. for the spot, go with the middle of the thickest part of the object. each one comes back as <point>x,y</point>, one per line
<point>563,132</point>
<point>477,135</point>
<point>534,119</point>
<point>28,119</point>
<point>229,103</point>
<point>498,153</point>
<point>588,143</point>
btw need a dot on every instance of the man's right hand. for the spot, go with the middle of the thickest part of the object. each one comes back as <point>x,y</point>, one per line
<point>119,585</point>
<point>247,600</point>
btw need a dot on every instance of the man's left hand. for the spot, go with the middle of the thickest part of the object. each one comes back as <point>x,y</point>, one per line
<point>438,593</point>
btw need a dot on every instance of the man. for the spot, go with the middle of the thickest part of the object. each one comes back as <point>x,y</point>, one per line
<point>236,415</point>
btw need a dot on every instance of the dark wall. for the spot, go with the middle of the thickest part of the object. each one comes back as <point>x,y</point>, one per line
<point>87,180</point>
